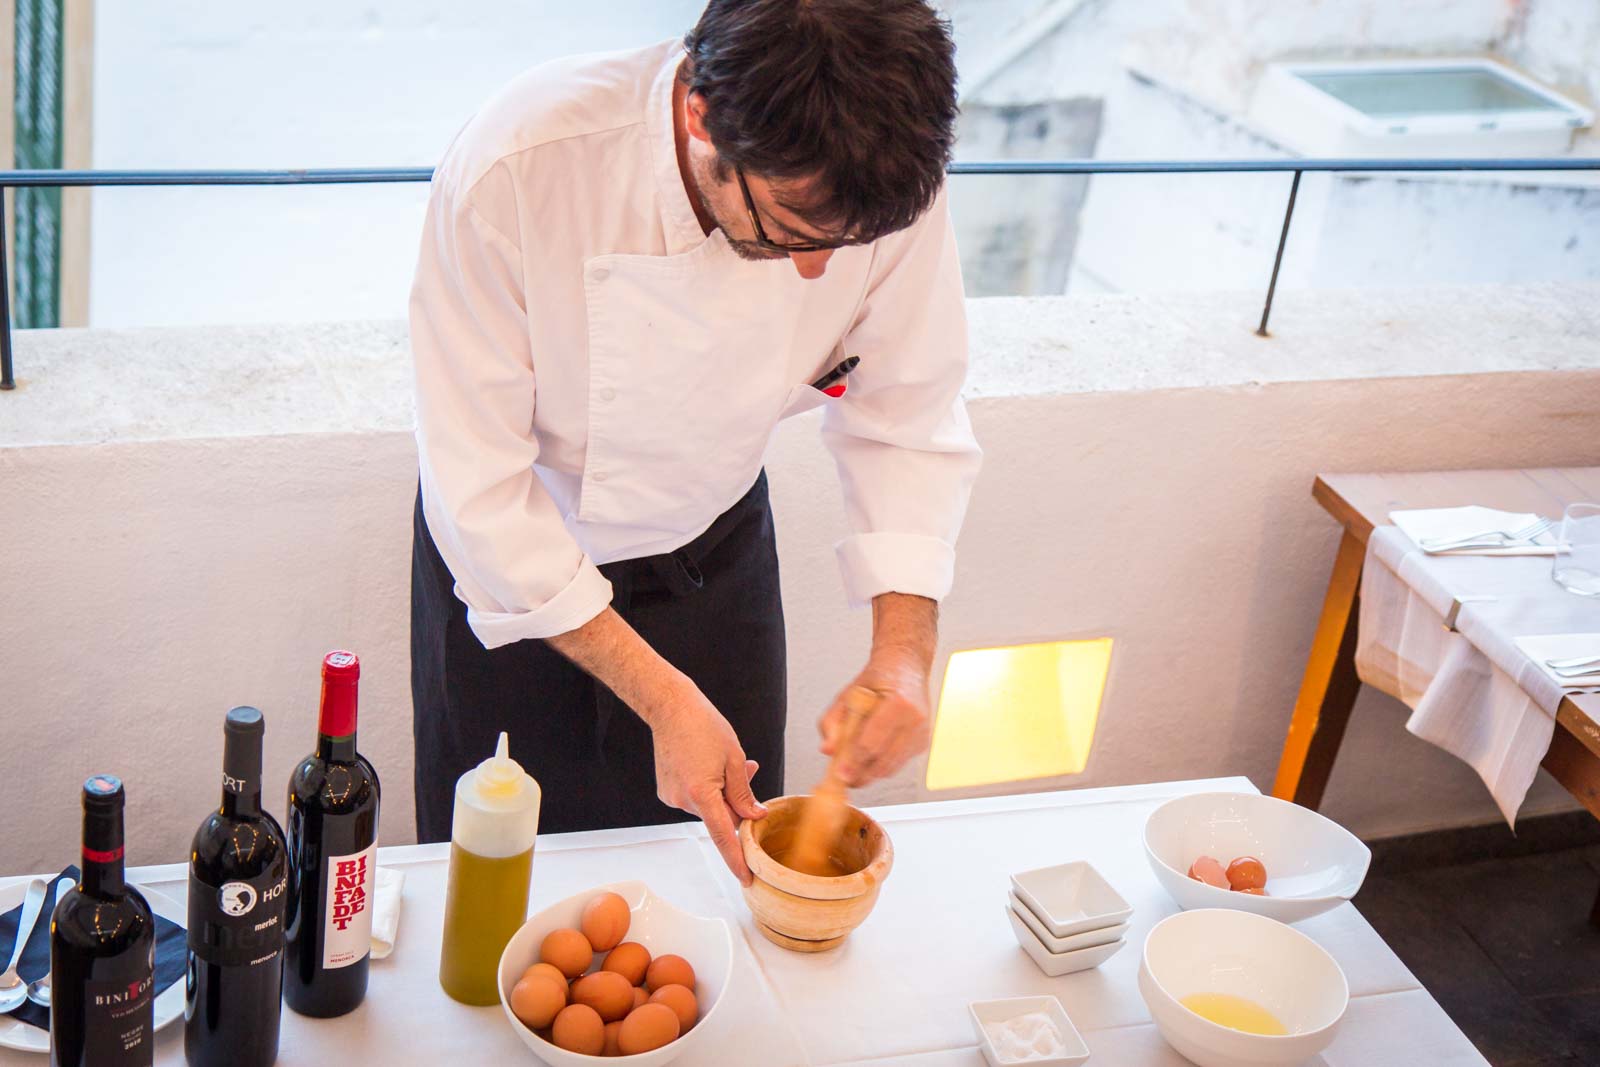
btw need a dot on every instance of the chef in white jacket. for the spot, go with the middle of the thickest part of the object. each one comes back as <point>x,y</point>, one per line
<point>634,265</point>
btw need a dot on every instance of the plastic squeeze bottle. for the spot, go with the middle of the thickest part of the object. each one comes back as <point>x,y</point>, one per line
<point>492,834</point>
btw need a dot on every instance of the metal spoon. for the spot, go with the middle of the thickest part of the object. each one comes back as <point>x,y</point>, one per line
<point>39,989</point>
<point>13,990</point>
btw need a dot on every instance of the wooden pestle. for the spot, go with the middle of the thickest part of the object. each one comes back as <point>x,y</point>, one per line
<point>825,811</point>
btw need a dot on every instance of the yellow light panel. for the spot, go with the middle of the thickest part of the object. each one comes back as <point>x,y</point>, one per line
<point>1028,711</point>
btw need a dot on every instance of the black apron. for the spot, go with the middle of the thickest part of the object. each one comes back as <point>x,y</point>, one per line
<point>711,608</point>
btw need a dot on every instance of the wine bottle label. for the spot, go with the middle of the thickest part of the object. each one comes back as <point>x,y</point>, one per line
<point>348,908</point>
<point>119,1021</point>
<point>239,923</point>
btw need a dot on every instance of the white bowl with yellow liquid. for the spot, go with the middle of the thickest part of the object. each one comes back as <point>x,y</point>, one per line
<point>1248,970</point>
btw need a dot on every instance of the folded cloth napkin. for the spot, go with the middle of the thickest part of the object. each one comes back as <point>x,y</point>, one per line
<point>1563,646</point>
<point>1426,524</point>
<point>386,911</point>
<point>172,952</point>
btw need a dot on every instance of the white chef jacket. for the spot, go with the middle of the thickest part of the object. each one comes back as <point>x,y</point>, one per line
<point>598,380</point>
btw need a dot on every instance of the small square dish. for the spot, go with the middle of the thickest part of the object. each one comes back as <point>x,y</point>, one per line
<point>1056,964</point>
<point>1088,939</point>
<point>1070,898</point>
<point>989,1015</point>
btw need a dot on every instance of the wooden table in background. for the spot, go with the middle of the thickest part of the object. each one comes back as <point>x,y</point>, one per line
<point>1328,690</point>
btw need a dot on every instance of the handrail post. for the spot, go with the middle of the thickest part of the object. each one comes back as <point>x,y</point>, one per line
<point>7,380</point>
<point>1283,238</point>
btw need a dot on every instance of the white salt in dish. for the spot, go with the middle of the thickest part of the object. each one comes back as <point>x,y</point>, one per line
<point>1015,1024</point>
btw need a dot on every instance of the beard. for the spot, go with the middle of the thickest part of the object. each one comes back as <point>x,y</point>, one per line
<point>704,172</point>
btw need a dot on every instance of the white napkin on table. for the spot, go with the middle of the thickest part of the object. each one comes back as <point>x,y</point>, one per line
<point>1563,646</point>
<point>1424,524</point>
<point>386,910</point>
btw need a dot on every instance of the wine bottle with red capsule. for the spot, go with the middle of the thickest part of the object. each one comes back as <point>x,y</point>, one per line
<point>333,860</point>
<point>102,951</point>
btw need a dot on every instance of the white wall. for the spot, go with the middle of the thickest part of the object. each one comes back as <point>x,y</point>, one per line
<point>151,582</point>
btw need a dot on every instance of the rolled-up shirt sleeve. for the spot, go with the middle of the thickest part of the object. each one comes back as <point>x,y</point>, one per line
<point>516,566</point>
<point>900,435</point>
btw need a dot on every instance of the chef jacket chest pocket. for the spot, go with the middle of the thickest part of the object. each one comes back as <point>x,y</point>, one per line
<point>801,399</point>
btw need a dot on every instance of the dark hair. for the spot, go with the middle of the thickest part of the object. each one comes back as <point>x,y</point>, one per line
<point>858,94</point>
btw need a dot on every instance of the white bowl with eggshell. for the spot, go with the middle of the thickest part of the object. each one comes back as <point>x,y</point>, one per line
<point>1312,863</point>
<point>1237,954</point>
<point>654,923</point>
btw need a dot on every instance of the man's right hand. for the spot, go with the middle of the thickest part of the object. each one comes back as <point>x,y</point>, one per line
<point>701,769</point>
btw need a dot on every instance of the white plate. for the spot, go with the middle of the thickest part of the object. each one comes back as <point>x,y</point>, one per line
<point>1000,1011</point>
<point>1070,898</point>
<point>1056,964</point>
<point>1088,939</point>
<point>169,1005</point>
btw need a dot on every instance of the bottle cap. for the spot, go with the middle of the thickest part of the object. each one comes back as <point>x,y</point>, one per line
<point>500,777</point>
<point>244,720</point>
<point>102,791</point>
<point>341,666</point>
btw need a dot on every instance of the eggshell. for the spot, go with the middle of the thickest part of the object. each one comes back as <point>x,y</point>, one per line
<point>536,1000</point>
<point>605,921</point>
<point>579,1029</point>
<point>647,1028</point>
<point>612,1030</point>
<point>567,951</point>
<point>629,959</point>
<point>1208,870</point>
<point>668,970</point>
<point>548,971</point>
<point>607,992</point>
<point>640,997</point>
<point>1247,872</point>
<point>681,1001</point>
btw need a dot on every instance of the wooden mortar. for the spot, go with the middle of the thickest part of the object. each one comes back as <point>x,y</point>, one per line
<point>805,912</point>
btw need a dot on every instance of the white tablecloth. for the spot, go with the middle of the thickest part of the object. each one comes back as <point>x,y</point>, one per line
<point>1472,691</point>
<point>897,991</point>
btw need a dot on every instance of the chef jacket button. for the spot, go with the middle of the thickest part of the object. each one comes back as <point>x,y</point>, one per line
<point>608,394</point>
<point>600,274</point>
<point>599,476</point>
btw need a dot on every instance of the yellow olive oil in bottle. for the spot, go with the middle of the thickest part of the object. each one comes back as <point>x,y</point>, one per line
<point>492,833</point>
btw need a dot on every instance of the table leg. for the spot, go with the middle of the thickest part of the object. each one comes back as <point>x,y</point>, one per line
<point>1328,690</point>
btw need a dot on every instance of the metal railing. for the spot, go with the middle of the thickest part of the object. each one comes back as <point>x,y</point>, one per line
<point>16,179</point>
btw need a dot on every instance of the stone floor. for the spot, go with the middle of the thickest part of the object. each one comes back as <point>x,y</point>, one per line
<point>1497,929</point>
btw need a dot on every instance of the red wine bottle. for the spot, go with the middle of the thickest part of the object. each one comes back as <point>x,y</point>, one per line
<point>333,858</point>
<point>102,951</point>
<point>238,889</point>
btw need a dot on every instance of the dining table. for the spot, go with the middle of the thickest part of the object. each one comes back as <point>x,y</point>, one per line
<point>1362,503</point>
<point>897,991</point>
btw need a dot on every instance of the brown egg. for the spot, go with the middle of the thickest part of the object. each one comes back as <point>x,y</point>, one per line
<point>605,921</point>
<point>612,1030</point>
<point>628,959</point>
<point>1207,870</point>
<point>536,1000</point>
<point>547,971</point>
<point>682,1003</point>
<point>607,992</point>
<point>668,970</point>
<point>647,1028</point>
<point>579,1029</point>
<point>640,997</point>
<point>567,951</point>
<point>1247,872</point>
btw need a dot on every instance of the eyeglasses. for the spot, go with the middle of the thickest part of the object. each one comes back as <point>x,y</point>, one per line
<point>761,238</point>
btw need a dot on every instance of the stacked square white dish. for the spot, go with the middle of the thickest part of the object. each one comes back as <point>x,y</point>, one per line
<point>1068,917</point>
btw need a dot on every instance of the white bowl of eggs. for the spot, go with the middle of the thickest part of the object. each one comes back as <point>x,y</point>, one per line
<point>1231,989</point>
<point>1253,853</point>
<point>615,972</point>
